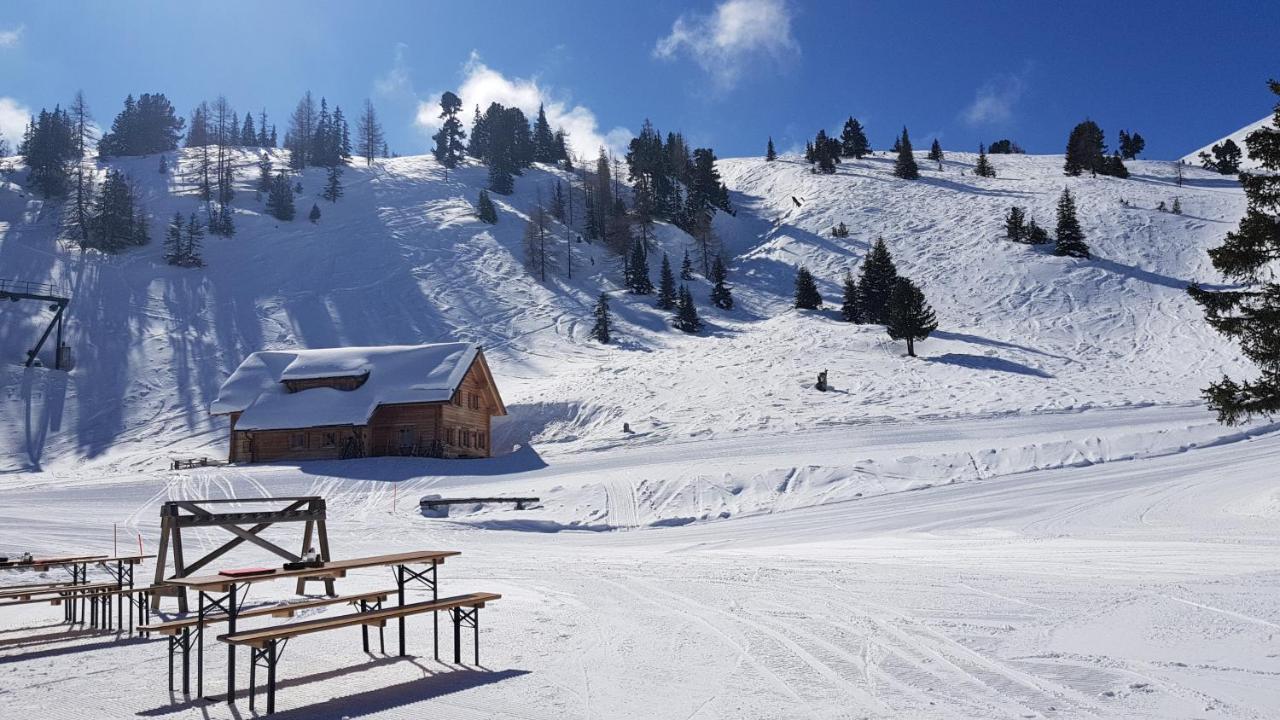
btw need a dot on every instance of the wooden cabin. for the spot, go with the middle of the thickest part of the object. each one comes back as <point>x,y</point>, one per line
<point>419,400</point>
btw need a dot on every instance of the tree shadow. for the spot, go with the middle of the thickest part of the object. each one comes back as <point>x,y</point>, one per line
<point>397,469</point>
<point>979,340</point>
<point>984,362</point>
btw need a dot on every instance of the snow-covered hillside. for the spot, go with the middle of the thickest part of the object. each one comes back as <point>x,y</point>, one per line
<point>402,259</point>
<point>1238,137</point>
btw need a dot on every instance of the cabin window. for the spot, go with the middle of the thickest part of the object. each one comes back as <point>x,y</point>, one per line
<point>297,441</point>
<point>329,440</point>
<point>406,437</point>
<point>480,440</point>
<point>451,436</point>
<point>466,438</point>
<point>473,401</point>
<point>457,399</point>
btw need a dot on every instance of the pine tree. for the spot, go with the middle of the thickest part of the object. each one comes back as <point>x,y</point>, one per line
<point>557,202</point>
<point>1036,235</point>
<point>686,267</point>
<point>721,295</point>
<point>485,209</point>
<point>769,153</point>
<point>1225,159</point>
<point>638,281</point>
<point>225,225</point>
<point>905,166</point>
<point>1015,227</point>
<point>264,174</point>
<point>666,286</point>
<point>983,167</point>
<point>1114,166</point>
<point>280,199</point>
<point>449,148</point>
<point>191,250</point>
<point>1249,312</point>
<point>369,138</point>
<point>807,296</point>
<point>314,215</point>
<point>1086,149</point>
<point>248,135</point>
<point>537,233</point>
<point>853,140</point>
<point>544,141</point>
<point>601,331</point>
<point>687,319</point>
<point>333,184</point>
<point>875,284</point>
<point>1131,145</point>
<point>822,154</point>
<point>174,248</point>
<point>82,133</point>
<point>935,152</point>
<point>1070,238</point>
<point>850,310</point>
<point>264,139</point>
<point>144,127</point>
<point>163,169</point>
<point>910,317</point>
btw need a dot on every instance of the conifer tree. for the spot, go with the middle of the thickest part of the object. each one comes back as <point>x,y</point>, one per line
<point>280,199</point>
<point>544,141</point>
<point>875,284</point>
<point>601,330</point>
<point>687,319</point>
<point>807,296</point>
<point>264,174</point>
<point>910,316</point>
<point>666,286</point>
<point>686,267</point>
<point>557,202</point>
<point>822,154</point>
<point>1249,312</point>
<point>192,251</point>
<point>1131,145</point>
<point>1070,238</point>
<point>264,138</point>
<point>174,247</point>
<point>485,209</point>
<point>48,149</point>
<point>81,122</point>
<point>983,167</point>
<point>905,166</point>
<point>935,152</point>
<point>333,184</point>
<point>769,153</point>
<point>638,271</point>
<point>248,135</point>
<point>850,310</point>
<point>1015,227</point>
<point>810,154</point>
<point>164,165</point>
<point>1086,149</point>
<point>449,148</point>
<point>369,138</point>
<point>721,295</point>
<point>223,224</point>
<point>145,127</point>
<point>1036,235</point>
<point>1114,166</point>
<point>853,140</point>
<point>537,233</point>
<point>314,215</point>
<point>1225,159</point>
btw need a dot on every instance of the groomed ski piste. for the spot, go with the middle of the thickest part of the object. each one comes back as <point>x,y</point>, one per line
<point>1036,518</point>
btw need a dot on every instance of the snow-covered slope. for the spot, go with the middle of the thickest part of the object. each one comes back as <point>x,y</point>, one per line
<point>402,259</point>
<point>1238,137</point>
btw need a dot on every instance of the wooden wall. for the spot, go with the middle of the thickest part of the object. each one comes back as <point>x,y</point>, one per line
<point>422,420</point>
<point>314,443</point>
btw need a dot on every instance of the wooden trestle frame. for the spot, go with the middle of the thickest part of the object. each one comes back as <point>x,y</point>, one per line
<point>176,515</point>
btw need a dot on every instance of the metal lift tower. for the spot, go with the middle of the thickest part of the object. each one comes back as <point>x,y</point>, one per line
<point>15,290</point>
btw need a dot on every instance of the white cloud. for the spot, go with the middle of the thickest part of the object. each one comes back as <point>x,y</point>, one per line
<point>482,85</point>
<point>13,121</point>
<point>10,38</point>
<point>994,102</point>
<point>396,83</point>
<point>737,34</point>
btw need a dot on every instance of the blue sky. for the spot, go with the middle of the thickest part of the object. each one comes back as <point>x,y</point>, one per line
<point>729,74</point>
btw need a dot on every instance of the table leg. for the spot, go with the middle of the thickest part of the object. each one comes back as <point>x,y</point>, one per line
<point>200,648</point>
<point>400,582</point>
<point>232,611</point>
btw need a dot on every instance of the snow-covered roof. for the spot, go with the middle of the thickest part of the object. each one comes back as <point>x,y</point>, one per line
<point>397,374</point>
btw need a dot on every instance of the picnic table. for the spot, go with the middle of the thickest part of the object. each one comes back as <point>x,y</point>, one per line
<point>221,592</point>
<point>119,568</point>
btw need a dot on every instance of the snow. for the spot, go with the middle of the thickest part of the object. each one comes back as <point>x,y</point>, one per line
<point>1036,518</point>
<point>396,374</point>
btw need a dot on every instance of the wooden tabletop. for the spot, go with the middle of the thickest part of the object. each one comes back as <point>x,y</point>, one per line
<point>46,562</point>
<point>331,569</point>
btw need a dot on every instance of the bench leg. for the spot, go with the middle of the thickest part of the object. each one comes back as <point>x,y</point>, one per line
<point>253,676</point>
<point>364,629</point>
<point>171,639</point>
<point>186,661</point>
<point>475,625</point>
<point>400,582</point>
<point>457,636</point>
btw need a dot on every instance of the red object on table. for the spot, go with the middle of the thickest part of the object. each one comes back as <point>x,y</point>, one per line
<point>241,572</point>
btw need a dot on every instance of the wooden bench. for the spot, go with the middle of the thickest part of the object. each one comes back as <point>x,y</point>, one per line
<point>66,595</point>
<point>264,643</point>
<point>431,502</point>
<point>179,630</point>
